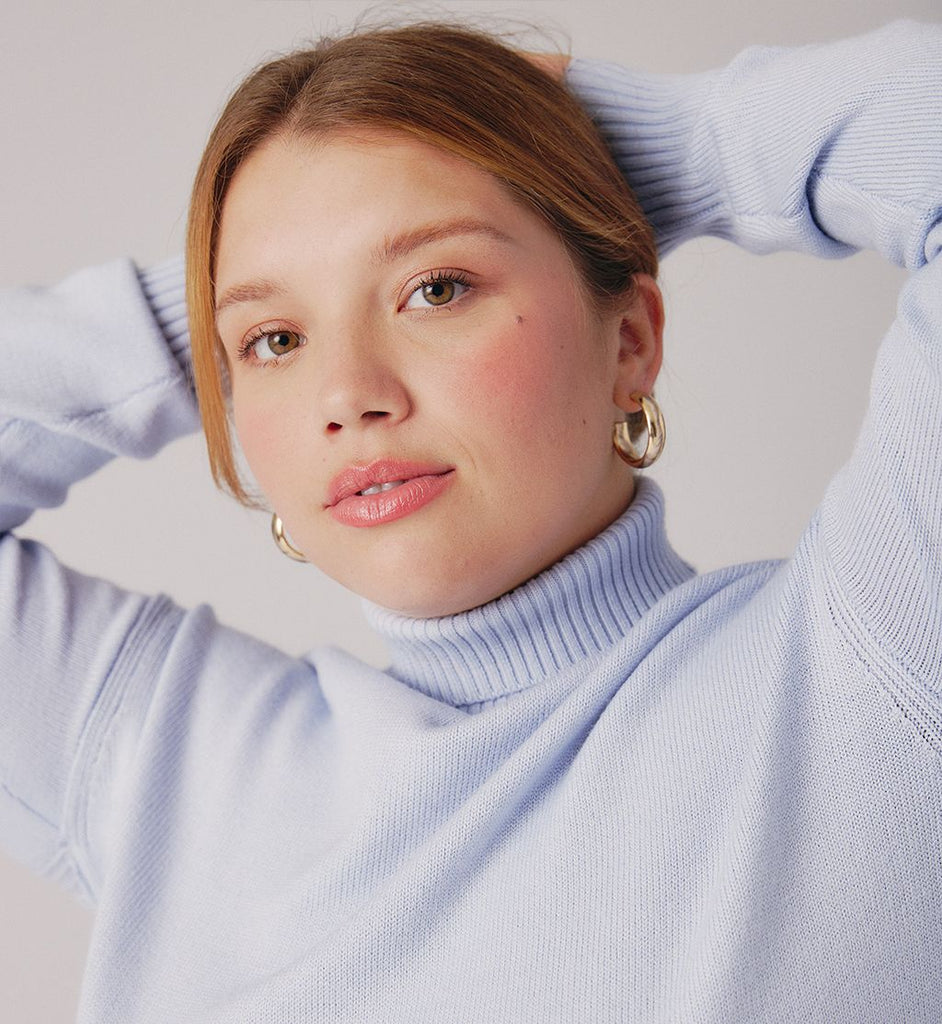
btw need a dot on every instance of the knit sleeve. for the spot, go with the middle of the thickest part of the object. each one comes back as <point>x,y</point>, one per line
<point>826,149</point>
<point>92,368</point>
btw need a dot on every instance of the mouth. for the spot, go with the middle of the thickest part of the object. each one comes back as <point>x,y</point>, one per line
<point>385,490</point>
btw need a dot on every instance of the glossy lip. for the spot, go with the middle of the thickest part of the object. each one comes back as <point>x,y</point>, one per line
<point>422,483</point>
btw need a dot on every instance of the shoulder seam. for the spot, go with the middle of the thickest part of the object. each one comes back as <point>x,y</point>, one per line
<point>98,729</point>
<point>905,690</point>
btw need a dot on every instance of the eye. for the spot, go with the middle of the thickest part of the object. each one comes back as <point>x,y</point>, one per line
<point>267,346</point>
<point>437,290</point>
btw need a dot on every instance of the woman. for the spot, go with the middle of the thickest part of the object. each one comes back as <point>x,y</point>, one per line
<point>591,786</point>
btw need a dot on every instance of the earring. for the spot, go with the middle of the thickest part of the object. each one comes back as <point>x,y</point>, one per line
<point>625,433</point>
<point>284,545</point>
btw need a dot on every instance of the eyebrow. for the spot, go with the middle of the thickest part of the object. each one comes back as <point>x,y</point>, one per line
<point>251,291</point>
<point>407,242</point>
<point>391,249</point>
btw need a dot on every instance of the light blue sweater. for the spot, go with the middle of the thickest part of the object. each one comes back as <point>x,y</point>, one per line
<point>621,792</point>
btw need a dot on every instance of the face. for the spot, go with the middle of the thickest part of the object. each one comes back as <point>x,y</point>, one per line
<point>419,384</point>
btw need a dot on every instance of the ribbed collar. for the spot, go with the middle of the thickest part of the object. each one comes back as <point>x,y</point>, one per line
<point>575,609</point>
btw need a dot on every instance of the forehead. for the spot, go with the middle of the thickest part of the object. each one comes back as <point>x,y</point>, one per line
<point>352,178</point>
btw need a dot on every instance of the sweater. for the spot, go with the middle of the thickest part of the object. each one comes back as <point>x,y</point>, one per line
<point>621,792</point>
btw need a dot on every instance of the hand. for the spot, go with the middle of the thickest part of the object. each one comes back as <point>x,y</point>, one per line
<point>554,64</point>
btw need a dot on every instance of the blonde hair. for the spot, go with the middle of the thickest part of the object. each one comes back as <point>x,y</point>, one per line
<point>455,88</point>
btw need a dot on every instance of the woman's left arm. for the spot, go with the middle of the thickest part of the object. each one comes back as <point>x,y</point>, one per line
<point>825,149</point>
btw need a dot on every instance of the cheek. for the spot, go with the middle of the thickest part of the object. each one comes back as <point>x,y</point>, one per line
<point>518,374</point>
<point>266,444</point>
<point>531,409</point>
<point>539,381</point>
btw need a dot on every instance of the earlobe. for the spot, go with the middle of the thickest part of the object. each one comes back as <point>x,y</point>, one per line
<point>641,329</point>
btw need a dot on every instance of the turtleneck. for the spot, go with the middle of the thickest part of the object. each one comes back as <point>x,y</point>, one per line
<point>573,610</point>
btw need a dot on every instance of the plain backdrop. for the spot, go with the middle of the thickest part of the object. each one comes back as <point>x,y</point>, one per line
<point>105,108</point>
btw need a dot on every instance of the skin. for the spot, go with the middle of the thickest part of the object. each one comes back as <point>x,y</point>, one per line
<point>513,383</point>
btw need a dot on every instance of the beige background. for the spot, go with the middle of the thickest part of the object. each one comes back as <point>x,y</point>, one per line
<point>105,107</point>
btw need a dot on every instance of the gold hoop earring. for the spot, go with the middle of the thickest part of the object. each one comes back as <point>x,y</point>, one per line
<point>284,545</point>
<point>626,432</point>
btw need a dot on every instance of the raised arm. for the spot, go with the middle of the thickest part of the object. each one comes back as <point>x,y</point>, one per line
<point>825,150</point>
<point>93,368</point>
<point>822,149</point>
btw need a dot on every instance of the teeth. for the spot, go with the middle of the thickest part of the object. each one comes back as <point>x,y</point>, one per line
<point>377,488</point>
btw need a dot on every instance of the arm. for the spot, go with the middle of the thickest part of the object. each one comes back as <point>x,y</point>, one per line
<point>93,368</point>
<point>824,150</point>
<point>785,149</point>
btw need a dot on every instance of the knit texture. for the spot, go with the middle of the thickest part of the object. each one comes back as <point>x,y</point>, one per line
<point>621,792</point>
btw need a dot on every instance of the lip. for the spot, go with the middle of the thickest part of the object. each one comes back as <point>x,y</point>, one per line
<point>422,483</point>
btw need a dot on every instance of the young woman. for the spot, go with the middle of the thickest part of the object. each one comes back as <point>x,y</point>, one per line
<point>591,785</point>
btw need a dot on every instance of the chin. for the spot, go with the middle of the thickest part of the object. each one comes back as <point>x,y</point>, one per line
<point>412,576</point>
<point>427,604</point>
<point>426,598</point>
<point>422,581</point>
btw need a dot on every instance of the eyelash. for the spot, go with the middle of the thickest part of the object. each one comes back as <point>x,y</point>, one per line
<point>455,276</point>
<point>244,352</point>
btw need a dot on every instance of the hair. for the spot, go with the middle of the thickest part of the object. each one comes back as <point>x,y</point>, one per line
<point>452,87</point>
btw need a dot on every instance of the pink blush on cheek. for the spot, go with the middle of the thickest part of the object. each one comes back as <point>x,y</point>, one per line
<point>518,362</point>
<point>503,389</point>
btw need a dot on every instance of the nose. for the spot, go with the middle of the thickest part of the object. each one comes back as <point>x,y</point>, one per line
<point>361,389</point>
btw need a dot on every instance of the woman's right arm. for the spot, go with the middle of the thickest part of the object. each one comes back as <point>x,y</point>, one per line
<point>93,368</point>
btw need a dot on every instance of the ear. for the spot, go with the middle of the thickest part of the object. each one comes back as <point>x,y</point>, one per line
<point>640,342</point>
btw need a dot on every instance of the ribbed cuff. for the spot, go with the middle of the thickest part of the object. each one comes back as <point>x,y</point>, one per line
<point>655,128</point>
<point>163,286</point>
